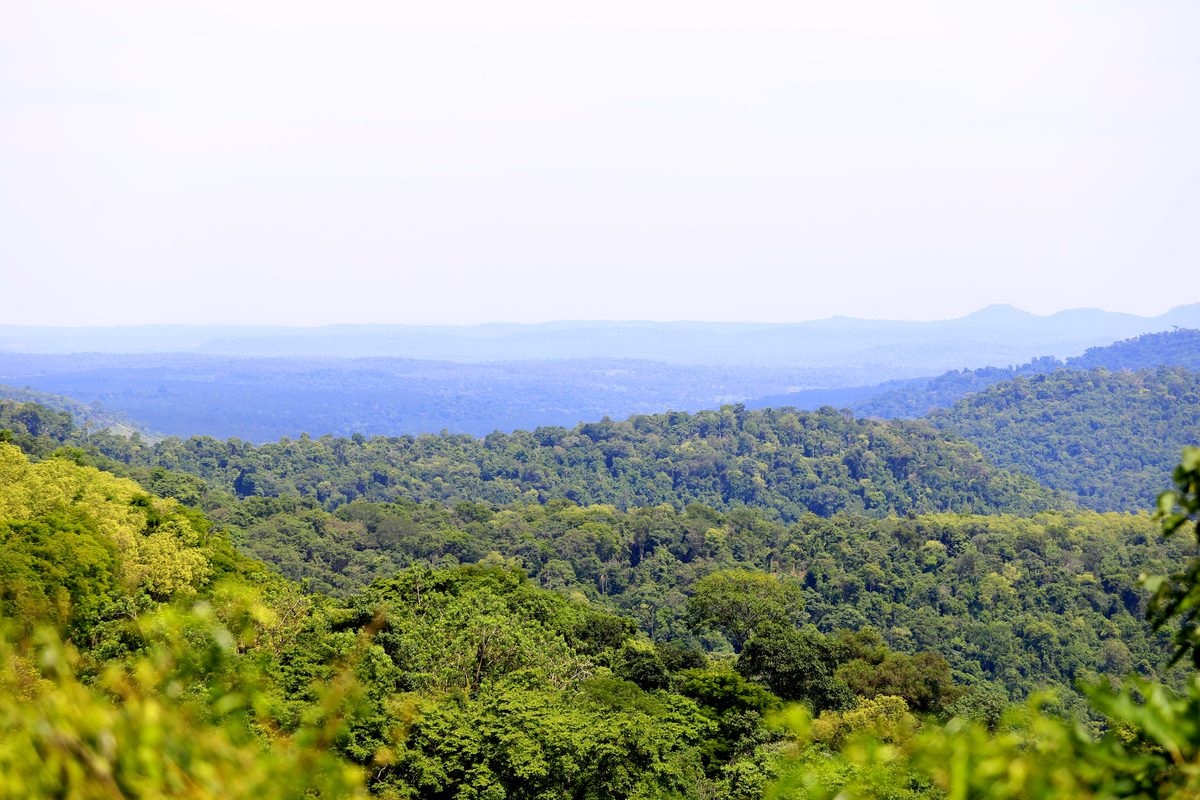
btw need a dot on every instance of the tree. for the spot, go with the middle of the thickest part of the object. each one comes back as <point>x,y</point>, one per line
<point>796,665</point>
<point>737,602</point>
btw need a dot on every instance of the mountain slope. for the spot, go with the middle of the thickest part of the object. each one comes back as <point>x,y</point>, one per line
<point>1109,439</point>
<point>84,415</point>
<point>917,397</point>
<point>789,462</point>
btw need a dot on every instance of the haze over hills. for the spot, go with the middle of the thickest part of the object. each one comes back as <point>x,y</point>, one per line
<point>892,349</point>
<point>263,399</point>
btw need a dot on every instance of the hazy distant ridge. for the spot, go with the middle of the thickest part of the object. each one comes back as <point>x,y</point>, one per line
<point>995,335</point>
<point>263,398</point>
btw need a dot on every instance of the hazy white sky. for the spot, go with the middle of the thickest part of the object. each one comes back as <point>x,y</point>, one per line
<point>458,161</point>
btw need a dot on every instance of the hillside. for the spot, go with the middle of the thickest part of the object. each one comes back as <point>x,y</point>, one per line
<point>165,665</point>
<point>1179,348</point>
<point>918,580</point>
<point>790,463</point>
<point>1106,438</point>
<point>85,416</point>
<point>167,682</point>
<point>1016,602</point>
<point>916,397</point>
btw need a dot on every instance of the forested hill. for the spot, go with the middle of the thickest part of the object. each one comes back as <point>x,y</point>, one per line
<point>785,461</point>
<point>1180,348</point>
<point>1107,438</point>
<point>1177,348</point>
<point>89,417</point>
<point>916,397</point>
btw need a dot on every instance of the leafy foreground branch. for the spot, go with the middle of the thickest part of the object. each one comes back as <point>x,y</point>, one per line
<point>173,722</point>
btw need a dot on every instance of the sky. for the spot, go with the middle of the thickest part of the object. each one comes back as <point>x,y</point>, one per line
<point>464,161</point>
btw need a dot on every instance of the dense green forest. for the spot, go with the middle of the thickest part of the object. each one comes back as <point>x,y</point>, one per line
<point>1038,595</point>
<point>150,659</point>
<point>1021,603</point>
<point>789,462</point>
<point>200,618</point>
<point>1109,439</point>
<point>1106,439</point>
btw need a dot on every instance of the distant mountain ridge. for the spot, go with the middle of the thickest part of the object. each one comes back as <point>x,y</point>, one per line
<point>896,349</point>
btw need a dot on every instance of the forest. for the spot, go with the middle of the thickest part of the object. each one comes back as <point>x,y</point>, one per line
<point>735,603</point>
<point>259,398</point>
<point>918,397</point>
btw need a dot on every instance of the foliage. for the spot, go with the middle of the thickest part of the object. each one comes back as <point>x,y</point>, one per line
<point>780,460</point>
<point>1021,602</point>
<point>450,682</point>
<point>1109,439</point>
<point>738,602</point>
<point>74,540</point>
<point>798,665</point>
<point>1178,594</point>
<point>33,427</point>
<point>869,669</point>
<point>1149,748</point>
<point>136,732</point>
<point>606,740</point>
<point>884,717</point>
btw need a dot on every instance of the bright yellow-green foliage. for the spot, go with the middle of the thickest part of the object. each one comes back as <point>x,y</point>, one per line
<point>144,697</point>
<point>1151,750</point>
<point>167,702</point>
<point>135,732</point>
<point>877,750</point>
<point>62,524</point>
<point>885,717</point>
